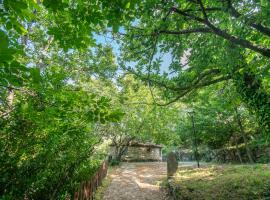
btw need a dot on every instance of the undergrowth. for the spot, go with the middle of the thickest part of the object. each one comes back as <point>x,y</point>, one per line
<point>234,182</point>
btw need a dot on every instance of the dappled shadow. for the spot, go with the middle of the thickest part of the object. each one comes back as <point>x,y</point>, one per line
<point>137,181</point>
<point>222,182</point>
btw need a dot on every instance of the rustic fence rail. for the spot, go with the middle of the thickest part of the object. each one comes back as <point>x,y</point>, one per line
<point>87,189</point>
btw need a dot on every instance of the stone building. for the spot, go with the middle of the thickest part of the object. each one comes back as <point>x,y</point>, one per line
<point>140,152</point>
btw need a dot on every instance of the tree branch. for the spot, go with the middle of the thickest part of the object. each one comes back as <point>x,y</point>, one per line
<point>239,41</point>
<point>185,14</point>
<point>197,87</point>
<point>258,26</point>
<point>185,31</point>
<point>203,10</point>
<point>233,39</point>
<point>196,83</point>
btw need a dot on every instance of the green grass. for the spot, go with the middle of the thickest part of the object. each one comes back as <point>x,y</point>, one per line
<point>225,182</point>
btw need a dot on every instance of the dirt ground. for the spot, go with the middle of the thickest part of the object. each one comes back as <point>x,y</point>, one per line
<point>137,181</point>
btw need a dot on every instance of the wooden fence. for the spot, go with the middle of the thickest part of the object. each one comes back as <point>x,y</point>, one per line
<point>87,189</point>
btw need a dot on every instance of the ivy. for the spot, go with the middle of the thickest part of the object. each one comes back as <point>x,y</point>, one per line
<point>255,96</point>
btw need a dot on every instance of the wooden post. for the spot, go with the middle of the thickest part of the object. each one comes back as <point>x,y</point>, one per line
<point>88,188</point>
<point>195,141</point>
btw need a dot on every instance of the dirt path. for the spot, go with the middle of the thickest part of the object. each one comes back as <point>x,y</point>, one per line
<point>137,181</point>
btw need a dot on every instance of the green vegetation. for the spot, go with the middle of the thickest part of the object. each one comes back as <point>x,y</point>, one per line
<point>224,182</point>
<point>105,184</point>
<point>208,42</point>
<point>77,75</point>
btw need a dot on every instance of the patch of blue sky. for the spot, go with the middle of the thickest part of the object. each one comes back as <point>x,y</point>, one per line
<point>107,39</point>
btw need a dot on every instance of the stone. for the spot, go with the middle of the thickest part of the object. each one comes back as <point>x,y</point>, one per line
<point>172,164</point>
<point>140,152</point>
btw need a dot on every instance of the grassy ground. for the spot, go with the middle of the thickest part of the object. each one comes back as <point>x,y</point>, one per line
<point>225,182</point>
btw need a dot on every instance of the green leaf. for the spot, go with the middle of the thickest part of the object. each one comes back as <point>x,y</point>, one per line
<point>115,27</point>
<point>3,40</point>
<point>35,74</point>
<point>127,5</point>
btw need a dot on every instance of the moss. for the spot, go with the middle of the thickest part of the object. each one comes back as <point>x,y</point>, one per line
<point>232,182</point>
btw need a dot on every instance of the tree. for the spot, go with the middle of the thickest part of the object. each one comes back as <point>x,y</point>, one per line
<point>48,114</point>
<point>70,24</point>
<point>190,33</point>
<point>218,125</point>
<point>143,121</point>
<point>49,138</point>
<point>60,95</point>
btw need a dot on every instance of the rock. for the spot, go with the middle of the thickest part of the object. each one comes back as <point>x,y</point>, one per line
<point>172,164</point>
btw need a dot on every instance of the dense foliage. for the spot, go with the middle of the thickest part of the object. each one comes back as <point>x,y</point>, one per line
<point>48,113</point>
<point>143,121</point>
<point>188,74</point>
<point>47,140</point>
<point>181,46</point>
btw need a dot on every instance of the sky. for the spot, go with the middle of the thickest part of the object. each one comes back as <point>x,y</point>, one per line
<point>108,39</point>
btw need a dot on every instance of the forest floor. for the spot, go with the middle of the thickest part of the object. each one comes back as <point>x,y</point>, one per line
<point>234,182</point>
<point>143,181</point>
<point>136,181</point>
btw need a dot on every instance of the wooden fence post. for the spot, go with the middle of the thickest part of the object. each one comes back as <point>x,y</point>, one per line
<point>87,189</point>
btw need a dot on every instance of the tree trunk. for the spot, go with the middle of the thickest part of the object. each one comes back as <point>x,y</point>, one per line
<point>117,153</point>
<point>237,150</point>
<point>243,135</point>
<point>120,151</point>
<point>195,142</point>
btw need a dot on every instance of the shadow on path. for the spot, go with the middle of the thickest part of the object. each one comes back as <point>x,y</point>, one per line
<point>137,181</point>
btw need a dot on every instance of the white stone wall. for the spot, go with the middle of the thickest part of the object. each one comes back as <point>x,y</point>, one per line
<point>141,154</point>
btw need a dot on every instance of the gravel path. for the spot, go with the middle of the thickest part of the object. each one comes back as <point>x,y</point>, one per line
<point>137,181</point>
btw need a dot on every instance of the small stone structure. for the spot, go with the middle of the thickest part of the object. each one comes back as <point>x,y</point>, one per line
<point>140,152</point>
<point>172,164</point>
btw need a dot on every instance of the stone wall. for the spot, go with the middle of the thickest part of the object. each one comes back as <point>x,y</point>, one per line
<point>135,153</point>
<point>225,155</point>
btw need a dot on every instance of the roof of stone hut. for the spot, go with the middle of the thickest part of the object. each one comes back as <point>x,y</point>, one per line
<point>138,144</point>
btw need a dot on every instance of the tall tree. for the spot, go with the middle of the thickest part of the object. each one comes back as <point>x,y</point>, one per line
<point>143,120</point>
<point>203,43</point>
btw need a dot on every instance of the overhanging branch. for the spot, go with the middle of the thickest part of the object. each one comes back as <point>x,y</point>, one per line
<point>196,83</point>
<point>258,26</point>
<point>219,32</point>
<point>211,82</point>
<point>185,31</point>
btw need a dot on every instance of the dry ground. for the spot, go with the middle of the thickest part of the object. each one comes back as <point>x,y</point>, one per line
<point>137,181</point>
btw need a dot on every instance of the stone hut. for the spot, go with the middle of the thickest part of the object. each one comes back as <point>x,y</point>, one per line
<point>140,152</point>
